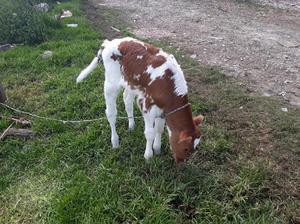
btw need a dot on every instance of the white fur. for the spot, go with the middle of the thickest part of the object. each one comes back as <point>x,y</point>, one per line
<point>162,53</point>
<point>90,68</point>
<point>178,77</point>
<point>196,142</point>
<point>136,77</point>
<point>159,128</point>
<point>87,70</point>
<point>156,72</point>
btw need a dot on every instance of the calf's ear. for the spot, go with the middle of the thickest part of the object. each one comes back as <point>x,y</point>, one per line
<point>184,136</point>
<point>198,120</point>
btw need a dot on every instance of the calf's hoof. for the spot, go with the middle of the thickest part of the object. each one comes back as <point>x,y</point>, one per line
<point>131,126</point>
<point>148,154</point>
<point>157,149</point>
<point>115,142</point>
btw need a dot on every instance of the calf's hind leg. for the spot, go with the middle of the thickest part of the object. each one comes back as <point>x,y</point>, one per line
<point>111,91</point>
<point>128,97</point>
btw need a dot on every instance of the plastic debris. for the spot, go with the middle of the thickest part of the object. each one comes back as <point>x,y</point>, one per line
<point>66,14</point>
<point>284,109</point>
<point>72,25</point>
<point>47,54</point>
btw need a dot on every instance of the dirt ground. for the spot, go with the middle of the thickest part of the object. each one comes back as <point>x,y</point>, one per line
<point>258,43</point>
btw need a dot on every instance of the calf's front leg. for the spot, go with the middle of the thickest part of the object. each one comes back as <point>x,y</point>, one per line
<point>149,134</point>
<point>159,128</point>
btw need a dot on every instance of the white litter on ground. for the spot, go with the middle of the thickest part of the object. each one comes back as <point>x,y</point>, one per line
<point>72,25</point>
<point>66,14</point>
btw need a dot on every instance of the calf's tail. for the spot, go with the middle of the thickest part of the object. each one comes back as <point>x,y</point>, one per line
<point>85,72</point>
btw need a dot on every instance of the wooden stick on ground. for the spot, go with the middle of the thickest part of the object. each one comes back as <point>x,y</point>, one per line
<point>115,29</point>
<point>17,132</point>
<point>20,121</point>
<point>4,134</point>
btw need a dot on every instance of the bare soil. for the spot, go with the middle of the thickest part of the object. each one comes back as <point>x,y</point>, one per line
<point>258,42</point>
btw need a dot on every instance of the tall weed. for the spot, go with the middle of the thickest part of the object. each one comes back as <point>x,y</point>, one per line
<point>20,23</point>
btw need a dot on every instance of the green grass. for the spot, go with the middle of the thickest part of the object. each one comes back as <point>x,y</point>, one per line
<point>70,174</point>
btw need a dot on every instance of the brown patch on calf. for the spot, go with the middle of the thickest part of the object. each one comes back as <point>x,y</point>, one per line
<point>151,49</point>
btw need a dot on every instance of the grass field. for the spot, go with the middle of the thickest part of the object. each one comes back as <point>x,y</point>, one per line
<point>245,171</point>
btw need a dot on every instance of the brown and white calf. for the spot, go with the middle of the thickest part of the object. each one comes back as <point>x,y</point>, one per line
<point>156,79</point>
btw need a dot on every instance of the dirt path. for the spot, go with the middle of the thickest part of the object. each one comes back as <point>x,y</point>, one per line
<point>260,45</point>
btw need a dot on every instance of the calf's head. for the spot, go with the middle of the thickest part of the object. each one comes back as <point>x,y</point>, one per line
<point>184,142</point>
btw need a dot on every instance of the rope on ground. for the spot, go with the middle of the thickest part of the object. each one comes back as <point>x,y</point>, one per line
<point>59,120</point>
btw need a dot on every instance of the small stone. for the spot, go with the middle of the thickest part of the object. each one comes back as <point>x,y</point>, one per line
<point>283,93</point>
<point>247,73</point>
<point>288,43</point>
<point>268,93</point>
<point>193,56</point>
<point>241,107</point>
<point>47,54</point>
<point>287,81</point>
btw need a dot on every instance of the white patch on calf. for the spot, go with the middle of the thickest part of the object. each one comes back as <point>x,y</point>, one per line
<point>136,77</point>
<point>178,77</point>
<point>156,72</point>
<point>139,57</point>
<point>162,53</point>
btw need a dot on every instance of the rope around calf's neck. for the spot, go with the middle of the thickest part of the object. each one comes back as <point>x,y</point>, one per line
<point>175,110</point>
